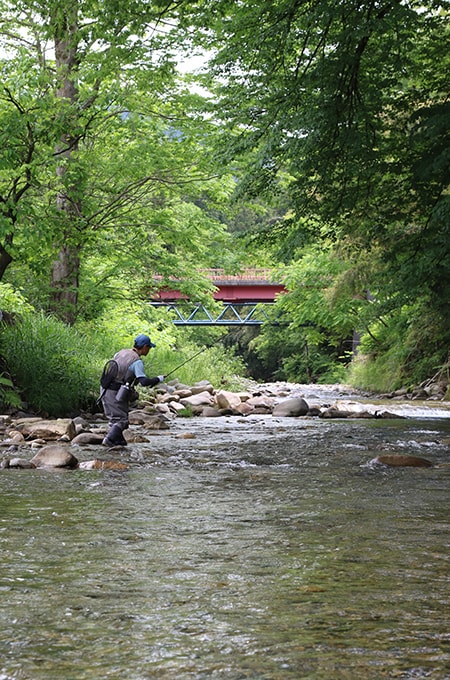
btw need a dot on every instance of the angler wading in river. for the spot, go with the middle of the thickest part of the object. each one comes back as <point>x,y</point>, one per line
<point>123,371</point>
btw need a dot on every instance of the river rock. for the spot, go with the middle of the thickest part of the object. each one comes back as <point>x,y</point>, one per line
<point>398,460</point>
<point>20,463</point>
<point>134,437</point>
<point>55,455</point>
<point>296,406</point>
<point>48,429</point>
<point>163,408</point>
<point>156,423</point>
<point>227,400</point>
<point>388,415</point>
<point>183,392</point>
<point>168,398</point>
<point>202,386</point>
<point>244,409</point>
<point>14,437</point>
<point>37,443</point>
<point>244,396</point>
<point>86,438</point>
<point>201,399</point>
<point>210,412</point>
<point>261,404</point>
<point>141,416</point>
<point>348,409</point>
<point>98,464</point>
<point>176,407</point>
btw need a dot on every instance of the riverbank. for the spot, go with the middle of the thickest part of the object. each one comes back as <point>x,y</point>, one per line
<point>28,441</point>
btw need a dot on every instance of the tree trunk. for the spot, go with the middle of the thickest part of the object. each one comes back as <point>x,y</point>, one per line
<point>5,256</point>
<point>64,284</point>
<point>66,266</point>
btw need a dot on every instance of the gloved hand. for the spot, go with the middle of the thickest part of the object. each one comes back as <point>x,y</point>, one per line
<point>161,378</point>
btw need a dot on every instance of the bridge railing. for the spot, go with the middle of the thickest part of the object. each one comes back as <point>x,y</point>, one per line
<point>257,274</point>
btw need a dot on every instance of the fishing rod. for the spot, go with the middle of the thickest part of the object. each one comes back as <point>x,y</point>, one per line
<point>185,362</point>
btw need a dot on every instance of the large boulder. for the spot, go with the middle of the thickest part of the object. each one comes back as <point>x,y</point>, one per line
<point>261,404</point>
<point>48,429</point>
<point>201,399</point>
<point>296,406</point>
<point>55,455</point>
<point>227,400</point>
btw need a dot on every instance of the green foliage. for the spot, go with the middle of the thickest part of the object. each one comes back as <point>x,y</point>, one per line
<point>401,349</point>
<point>328,125</point>
<point>58,367</point>
<point>216,364</point>
<point>313,339</point>
<point>13,301</point>
<point>105,180</point>
<point>8,395</point>
<point>54,365</point>
<point>349,101</point>
<point>381,374</point>
<point>185,412</point>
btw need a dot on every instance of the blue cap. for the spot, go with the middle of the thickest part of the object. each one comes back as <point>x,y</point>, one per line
<point>142,340</point>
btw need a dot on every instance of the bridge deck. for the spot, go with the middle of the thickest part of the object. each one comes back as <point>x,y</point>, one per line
<point>250,285</point>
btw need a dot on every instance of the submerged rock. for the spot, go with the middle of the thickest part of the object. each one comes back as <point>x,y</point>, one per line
<point>98,464</point>
<point>398,460</point>
<point>18,463</point>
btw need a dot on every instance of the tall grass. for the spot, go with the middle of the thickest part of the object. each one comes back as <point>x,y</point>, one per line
<point>55,366</point>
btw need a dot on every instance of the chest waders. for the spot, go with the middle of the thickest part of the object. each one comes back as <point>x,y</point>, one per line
<point>116,378</point>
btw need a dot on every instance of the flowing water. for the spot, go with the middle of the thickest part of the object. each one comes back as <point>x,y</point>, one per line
<point>233,548</point>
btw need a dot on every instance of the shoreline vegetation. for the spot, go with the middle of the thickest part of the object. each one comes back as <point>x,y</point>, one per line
<point>52,369</point>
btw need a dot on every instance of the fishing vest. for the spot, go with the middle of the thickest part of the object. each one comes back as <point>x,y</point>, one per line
<point>124,359</point>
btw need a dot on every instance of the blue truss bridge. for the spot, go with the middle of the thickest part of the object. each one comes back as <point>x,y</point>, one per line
<point>243,297</point>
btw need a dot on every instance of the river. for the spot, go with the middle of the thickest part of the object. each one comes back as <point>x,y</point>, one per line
<point>234,548</point>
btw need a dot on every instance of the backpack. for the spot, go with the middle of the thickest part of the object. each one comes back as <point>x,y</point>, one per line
<point>109,374</point>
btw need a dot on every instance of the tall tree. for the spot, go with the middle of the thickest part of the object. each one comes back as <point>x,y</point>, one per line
<point>352,100</point>
<point>101,68</point>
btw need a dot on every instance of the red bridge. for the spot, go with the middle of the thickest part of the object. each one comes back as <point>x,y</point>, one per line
<point>240,293</point>
<point>251,285</point>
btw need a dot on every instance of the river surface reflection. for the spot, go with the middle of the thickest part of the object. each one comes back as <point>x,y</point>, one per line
<point>233,548</point>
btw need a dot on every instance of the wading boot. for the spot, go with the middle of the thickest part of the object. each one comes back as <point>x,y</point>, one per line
<point>115,437</point>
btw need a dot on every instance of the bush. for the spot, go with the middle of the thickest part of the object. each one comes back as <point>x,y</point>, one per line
<point>12,301</point>
<point>402,350</point>
<point>8,395</point>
